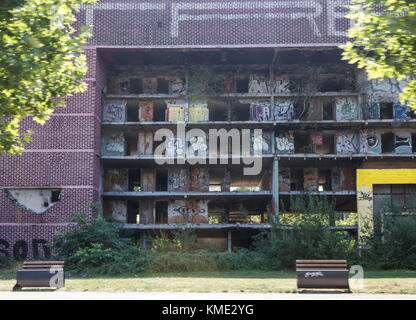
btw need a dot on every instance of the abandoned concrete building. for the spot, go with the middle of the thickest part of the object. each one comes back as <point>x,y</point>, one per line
<point>191,67</point>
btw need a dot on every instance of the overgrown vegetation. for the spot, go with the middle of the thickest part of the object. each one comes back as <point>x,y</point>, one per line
<point>99,247</point>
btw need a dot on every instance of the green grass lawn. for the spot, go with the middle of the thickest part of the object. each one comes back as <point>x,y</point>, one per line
<point>400,281</point>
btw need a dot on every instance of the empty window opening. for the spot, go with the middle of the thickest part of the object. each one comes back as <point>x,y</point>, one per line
<point>239,112</point>
<point>386,110</point>
<point>133,211</point>
<point>218,113</point>
<point>324,180</point>
<point>136,86</point>
<point>161,209</point>
<point>296,179</point>
<point>162,86</point>
<point>387,142</point>
<point>328,110</point>
<point>131,143</point>
<point>133,113</point>
<point>328,144</point>
<point>161,180</point>
<point>242,85</point>
<point>303,143</point>
<point>134,180</point>
<point>159,111</point>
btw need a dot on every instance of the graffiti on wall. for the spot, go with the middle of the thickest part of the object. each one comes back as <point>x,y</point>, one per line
<point>146,111</point>
<point>283,110</point>
<point>175,147</point>
<point>20,249</point>
<point>403,142</point>
<point>260,112</point>
<point>285,143</point>
<point>114,144</point>
<point>199,179</point>
<point>145,143</point>
<point>116,180</point>
<point>188,211</point>
<point>372,111</point>
<point>114,111</point>
<point>401,112</point>
<point>346,143</point>
<point>178,180</point>
<point>116,209</point>
<point>346,109</point>
<point>261,143</point>
<point>370,142</point>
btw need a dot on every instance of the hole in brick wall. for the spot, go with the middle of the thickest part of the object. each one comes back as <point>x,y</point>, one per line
<point>34,200</point>
<point>161,212</point>
<point>161,180</point>
<point>386,110</point>
<point>387,142</point>
<point>134,180</point>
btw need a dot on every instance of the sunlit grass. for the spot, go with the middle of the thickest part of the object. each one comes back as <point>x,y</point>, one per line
<point>400,281</point>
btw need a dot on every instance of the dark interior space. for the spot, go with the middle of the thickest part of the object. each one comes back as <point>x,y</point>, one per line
<point>161,209</point>
<point>387,142</point>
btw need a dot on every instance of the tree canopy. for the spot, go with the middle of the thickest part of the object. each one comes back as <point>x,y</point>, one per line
<point>41,62</point>
<point>383,41</point>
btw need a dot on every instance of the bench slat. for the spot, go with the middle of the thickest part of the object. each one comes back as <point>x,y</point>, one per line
<point>321,261</point>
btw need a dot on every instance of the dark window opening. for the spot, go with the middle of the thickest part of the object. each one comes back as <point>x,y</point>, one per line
<point>161,210</point>
<point>132,113</point>
<point>136,86</point>
<point>324,180</point>
<point>132,211</point>
<point>328,110</point>
<point>134,180</point>
<point>131,143</point>
<point>161,180</point>
<point>296,179</point>
<point>303,142</point>
<point>242,85</point>
<point>387,142</point>
<point>159,112</point>
<point>386,110</point>
<point>162,86</point>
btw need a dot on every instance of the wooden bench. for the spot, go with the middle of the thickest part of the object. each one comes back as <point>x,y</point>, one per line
<point>41,274</point>
<point>322,274</point>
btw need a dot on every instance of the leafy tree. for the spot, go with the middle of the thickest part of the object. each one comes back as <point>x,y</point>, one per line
<point>41,62</point>
<point>384,41</point>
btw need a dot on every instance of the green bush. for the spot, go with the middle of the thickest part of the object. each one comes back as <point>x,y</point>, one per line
<point>6,262</point>
<point>393,247</point>
<point>309,237</point>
